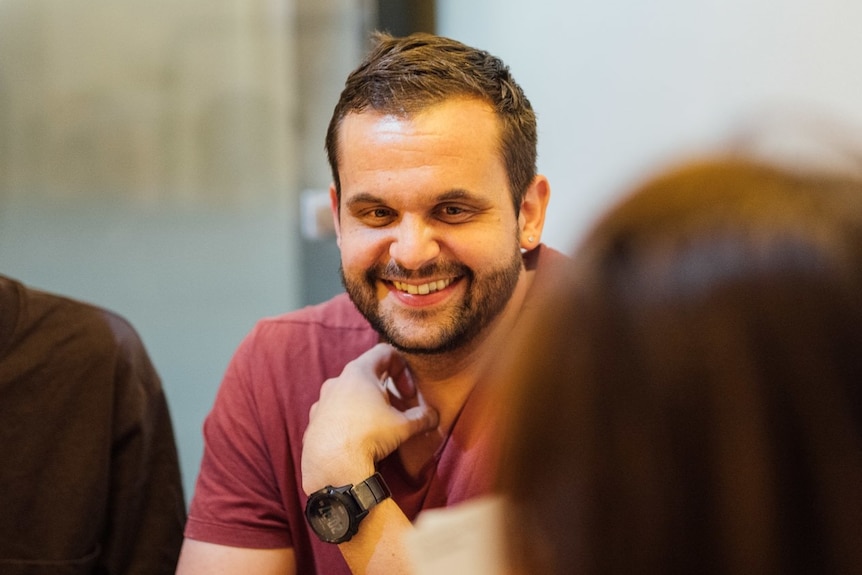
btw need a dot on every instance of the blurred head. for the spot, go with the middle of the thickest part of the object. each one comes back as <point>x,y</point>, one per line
<point>691,401</point>
<point>404,76</point>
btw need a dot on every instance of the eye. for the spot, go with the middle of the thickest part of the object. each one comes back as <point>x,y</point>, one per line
<point>377,216</point>
<point>454,213</point>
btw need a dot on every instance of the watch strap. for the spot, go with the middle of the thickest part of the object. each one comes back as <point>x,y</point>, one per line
<point>371,491</point>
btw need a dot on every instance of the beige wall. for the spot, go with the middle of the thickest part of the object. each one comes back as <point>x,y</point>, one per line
<point>151,157</point>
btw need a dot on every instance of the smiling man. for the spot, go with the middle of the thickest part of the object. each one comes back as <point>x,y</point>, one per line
<point>337,424</point>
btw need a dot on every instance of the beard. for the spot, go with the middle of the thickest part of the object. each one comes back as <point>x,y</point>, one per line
<point>436,331</point>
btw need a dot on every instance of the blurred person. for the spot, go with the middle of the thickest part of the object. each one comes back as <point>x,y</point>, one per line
<point>336,424</point>
<point>690,401</point>
<point>88,464</point>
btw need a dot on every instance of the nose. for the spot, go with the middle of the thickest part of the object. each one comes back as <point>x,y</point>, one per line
<point>414,243</point>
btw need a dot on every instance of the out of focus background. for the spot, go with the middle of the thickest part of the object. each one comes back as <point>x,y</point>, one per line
<point>164,158</point>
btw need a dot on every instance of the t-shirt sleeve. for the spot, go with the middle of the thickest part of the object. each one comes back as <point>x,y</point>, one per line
<point>237,499</point>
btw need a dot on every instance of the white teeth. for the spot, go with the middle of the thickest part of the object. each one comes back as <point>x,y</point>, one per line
<point>422,289</point>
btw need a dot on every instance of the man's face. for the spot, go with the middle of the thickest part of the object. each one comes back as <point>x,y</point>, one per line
<point>428,235</point>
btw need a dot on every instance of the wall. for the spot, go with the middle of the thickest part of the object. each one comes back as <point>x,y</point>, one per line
<point>623,86</point>
<point>151,158</point>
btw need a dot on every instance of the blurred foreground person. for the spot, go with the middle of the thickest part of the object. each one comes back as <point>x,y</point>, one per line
<point>691,402</point>
<point>88,464</point>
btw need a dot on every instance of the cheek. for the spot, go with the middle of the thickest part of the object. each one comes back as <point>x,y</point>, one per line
<point>361,248</point>
<point>487,246</point>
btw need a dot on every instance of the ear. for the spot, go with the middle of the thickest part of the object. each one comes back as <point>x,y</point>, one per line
<point>336,213</point>
<point>531,219</point>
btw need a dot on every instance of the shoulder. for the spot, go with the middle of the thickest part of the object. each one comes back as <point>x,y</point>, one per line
<point>86,359</point>
<point>46,318</point>
<point>335,314</point>
<point>334,320</point>
<point>318,339</point>
<point>544,259</point>
<point>549,266</point>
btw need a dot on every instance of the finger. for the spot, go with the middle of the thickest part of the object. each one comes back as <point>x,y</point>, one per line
<point>419,419</point>
<point>402,379</point>
<point>389,365</point>
<point>378,360</point>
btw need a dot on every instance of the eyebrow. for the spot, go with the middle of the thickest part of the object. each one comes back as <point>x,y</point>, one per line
<point>447,196</point>
<point>363,198</point>
<point>457,194</point>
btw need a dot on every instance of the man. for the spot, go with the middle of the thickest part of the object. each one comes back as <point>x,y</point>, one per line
<point>88,463</point>
<point>438,212</point>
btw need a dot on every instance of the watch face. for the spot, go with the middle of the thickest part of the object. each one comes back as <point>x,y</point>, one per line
<point>329,518</point>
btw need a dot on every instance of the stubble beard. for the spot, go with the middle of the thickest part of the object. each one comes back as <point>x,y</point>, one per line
<point>485,298</point>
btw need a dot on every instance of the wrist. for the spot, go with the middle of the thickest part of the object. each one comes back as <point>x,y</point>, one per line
<point>335,470</point>
<point>334,513</point>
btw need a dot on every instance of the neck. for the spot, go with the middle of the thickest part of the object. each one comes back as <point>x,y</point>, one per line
<point>446,380</point>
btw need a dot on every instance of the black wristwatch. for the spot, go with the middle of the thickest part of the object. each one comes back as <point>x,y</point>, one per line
<point>334,513</point>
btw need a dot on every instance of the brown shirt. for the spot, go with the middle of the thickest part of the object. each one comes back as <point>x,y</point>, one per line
<point>89,478</point>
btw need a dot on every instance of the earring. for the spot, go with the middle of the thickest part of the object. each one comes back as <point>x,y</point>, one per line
<point>531,239</point>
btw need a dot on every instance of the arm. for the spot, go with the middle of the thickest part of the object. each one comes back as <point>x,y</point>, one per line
<point>356,423</point>
<point>198,557</point>
<point>237,521</point>
<point>146,507</point>
<point>379,546</point>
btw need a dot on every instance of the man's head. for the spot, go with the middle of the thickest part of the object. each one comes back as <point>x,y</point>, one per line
<point>402,76</point>
<point>428,223</point>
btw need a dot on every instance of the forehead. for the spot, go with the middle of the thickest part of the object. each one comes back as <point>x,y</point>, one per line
<point>456,136</point>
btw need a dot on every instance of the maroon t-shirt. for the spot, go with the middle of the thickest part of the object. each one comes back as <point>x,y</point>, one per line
<point>249,490</point>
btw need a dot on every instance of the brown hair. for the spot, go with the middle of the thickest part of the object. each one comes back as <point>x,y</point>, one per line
<point>405,75</point>
<point>691,401</point>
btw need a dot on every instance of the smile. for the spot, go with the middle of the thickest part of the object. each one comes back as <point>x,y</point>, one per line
<point>422,289</point>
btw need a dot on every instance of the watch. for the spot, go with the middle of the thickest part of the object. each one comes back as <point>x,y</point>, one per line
<point>334,513</point>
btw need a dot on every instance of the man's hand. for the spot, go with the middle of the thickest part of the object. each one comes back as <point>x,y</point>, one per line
<point>359,419</point>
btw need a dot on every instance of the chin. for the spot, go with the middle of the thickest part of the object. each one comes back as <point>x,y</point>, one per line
<point>436,346</point>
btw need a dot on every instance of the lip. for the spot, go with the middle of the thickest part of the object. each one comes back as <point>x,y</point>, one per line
<point>425,293</point>
<point>424,288</point>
